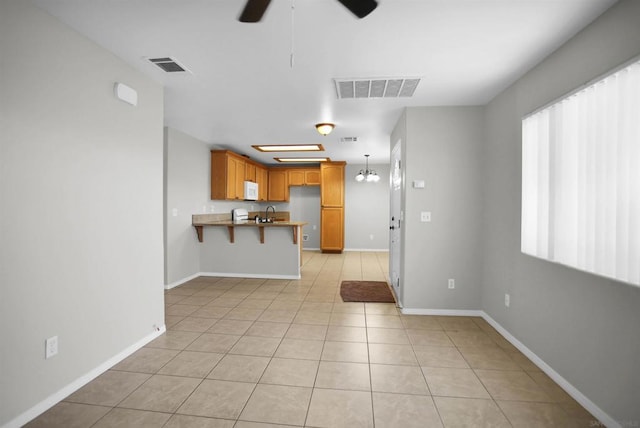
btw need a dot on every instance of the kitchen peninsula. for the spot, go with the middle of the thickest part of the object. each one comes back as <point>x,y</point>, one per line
<point>247,248</point>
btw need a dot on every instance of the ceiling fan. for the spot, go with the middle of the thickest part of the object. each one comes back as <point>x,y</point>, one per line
<point>254,9</point>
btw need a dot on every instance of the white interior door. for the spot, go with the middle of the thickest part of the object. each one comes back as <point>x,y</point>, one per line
<point>396,219</point>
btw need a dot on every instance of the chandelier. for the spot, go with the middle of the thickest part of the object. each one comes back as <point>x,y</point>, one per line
<point>367,174</point>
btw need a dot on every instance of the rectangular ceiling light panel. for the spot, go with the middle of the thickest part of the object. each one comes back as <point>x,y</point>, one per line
<point>302,160</point>
<point>289,148</point>
<point>376,88</point>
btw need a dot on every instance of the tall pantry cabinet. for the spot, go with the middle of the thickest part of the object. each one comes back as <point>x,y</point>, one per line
<point>332,207</point>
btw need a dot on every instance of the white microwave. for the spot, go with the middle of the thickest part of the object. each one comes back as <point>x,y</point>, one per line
<point>250,191</point>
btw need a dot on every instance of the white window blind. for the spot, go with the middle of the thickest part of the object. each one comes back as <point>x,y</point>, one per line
<point>581,178</point>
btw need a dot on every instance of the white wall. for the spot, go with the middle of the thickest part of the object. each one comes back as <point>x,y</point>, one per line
<point>585,327</point>
<point>442,146</point>
<point>366,210</point>
<point>187,190</point>
<point>81,209</point>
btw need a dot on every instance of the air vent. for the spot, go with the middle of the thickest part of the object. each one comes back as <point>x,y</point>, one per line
<point>376,88</point>
<point>349,139</point>
<point>168,64</point>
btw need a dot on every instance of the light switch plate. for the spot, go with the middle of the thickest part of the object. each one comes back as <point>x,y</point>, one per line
<point>418,184</point>
<point>425,216</point>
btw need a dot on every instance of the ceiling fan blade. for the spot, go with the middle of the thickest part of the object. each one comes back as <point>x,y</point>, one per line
<point>360,8</point>
<point>253,10</point>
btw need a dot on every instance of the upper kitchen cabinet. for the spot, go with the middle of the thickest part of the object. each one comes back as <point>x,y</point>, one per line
<point>262,178</point>
<point>278,185</point>
<point>227,175</point>
<point>332,187</point>
<point>304,176</point>
<point>332,207</point>
<point>250,169</point>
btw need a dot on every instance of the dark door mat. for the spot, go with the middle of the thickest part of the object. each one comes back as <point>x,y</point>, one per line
<point>366,291</point>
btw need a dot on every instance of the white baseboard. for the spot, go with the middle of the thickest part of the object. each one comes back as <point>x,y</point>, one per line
<point>591,407</point>
<point>249,275</point>
<point>443,312</point>
<point>596,411</point>
<point>53,399</point>
<point>371,250</point>
<point>181,281</point>
<point>229,275</point>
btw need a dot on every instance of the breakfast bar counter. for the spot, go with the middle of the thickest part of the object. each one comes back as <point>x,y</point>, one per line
<point>231,225</point>
<point>247,248</point>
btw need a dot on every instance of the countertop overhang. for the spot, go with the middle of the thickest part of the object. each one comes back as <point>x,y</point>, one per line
<point>231,225</point>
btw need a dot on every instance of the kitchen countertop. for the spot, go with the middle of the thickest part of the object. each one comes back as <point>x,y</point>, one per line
<point>231,225</point>
<point>249,223</point>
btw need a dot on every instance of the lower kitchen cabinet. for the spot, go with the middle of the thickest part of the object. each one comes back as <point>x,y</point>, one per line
<point>332,207</point>
<point>332,229</point>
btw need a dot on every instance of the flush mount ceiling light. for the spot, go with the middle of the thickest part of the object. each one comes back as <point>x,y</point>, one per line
<point>325,128</point>
<point>367,175</point>
<point>289,148</point>
<point>302,160</point>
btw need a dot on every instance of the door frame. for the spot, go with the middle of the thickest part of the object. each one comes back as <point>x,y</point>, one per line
<point>396,220</point>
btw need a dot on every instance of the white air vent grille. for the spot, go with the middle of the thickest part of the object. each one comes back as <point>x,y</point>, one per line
<point>349,139</point>
<point>376,88</point>
<point>168,64</point>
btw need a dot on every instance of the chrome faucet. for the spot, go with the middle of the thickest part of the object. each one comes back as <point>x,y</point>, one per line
<point>266,213</point>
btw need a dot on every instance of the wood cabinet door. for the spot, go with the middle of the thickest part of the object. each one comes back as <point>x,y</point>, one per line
<point>240,174</point>
<point>332,229</point>
<point>218,175</point>
<point>278,188</point>
<point>312,177</point>
<point>332,184</point>
<point>232,170</point>
<point>262,178</point>
<point>296,177</point>
<point>250,172</point>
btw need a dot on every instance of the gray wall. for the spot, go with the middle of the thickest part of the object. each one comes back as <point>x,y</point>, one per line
<point>304,205</point>
<point>187,192</point>
<point>278,257</point>
<point>442,146</point>
<point>366,210</point>
<point>187,168</point>
<point>585,327</point>
<point>81,213</point>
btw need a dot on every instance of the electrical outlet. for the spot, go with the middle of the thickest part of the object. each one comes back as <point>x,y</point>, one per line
<point>174,212</point>
<point>305,237</point>
<point>50,347</point>
<point>212,208</point>
<point>371,237</point>
<point>507,300</point>
<point>452,284</point>
<point>425,216</point>
<point>314,227</point>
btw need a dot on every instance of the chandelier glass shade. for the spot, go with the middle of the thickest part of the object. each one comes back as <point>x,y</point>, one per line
<point>367,175</point>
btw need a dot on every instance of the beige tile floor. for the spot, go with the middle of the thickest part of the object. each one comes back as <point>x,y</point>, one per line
<point>250,353</point>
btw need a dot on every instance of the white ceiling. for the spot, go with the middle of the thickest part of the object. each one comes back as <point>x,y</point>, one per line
<point>242,89</point>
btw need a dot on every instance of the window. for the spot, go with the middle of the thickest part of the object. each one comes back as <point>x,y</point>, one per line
<point>581,178</point>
